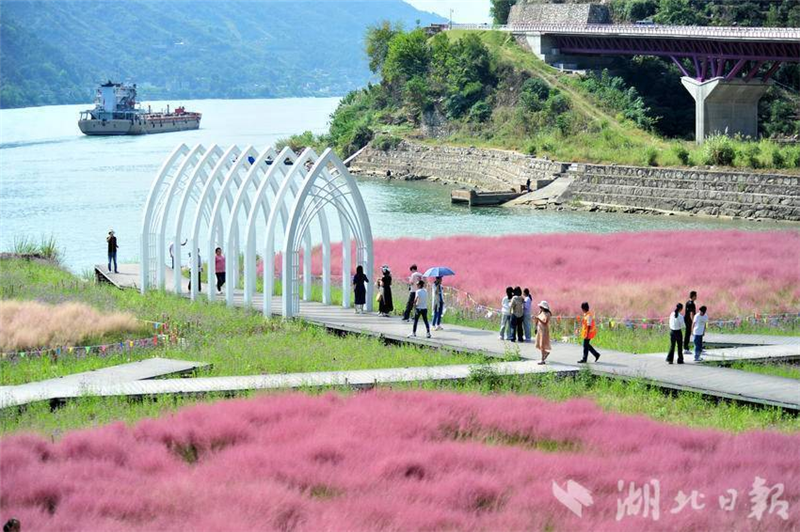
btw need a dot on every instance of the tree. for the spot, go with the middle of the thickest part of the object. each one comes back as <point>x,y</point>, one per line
<point>640,9</point>
<point>377,43</point>
<point>409,56</point>
<point>415,97</point>
<point>677,13</point>
<point>500,10</point>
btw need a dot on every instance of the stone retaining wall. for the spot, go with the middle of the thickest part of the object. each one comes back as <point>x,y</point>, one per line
<point>704,192</point>
<point>606,187</point>
<point>490,170</point>
<point>535,13</point>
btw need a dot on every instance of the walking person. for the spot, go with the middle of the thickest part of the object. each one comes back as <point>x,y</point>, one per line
<point>588,332</point>
<point>112,250</point>
<point>413,280</point>
<point>676,325</point>
<point>219,268</point>
<point>526,317</point>
<point>360,289</point>
<point>517,313</point>
<point>172,252</point>
<point>386,305</point>
<point>543,331</point>
<point>698,331</point>
<point>688,318</point>
<point>199,272</point>
<point>505,314</point>
<point>438,303</point>
<point>420,309</point>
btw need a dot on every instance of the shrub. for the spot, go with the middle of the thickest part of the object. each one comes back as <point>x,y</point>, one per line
<point>651,156</point>
<point>751,153</point>
<point>386,142</point>
<point>480,112</point>
<point>530,148</point>
<point>534,92</point>
<point>778,159</point>
<point>719,150</point>
<point>682,154</point>
<point>557,104</point>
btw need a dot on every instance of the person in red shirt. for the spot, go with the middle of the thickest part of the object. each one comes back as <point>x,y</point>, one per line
<point>219,268</point>
<point>588,332</point>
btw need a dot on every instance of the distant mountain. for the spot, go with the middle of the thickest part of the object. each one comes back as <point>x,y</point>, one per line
<point>55,52</point>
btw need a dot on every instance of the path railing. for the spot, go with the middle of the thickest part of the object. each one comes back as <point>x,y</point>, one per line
<point>641,30</point>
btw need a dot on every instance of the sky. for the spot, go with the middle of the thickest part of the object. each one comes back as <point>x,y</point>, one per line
<point>464,11</point>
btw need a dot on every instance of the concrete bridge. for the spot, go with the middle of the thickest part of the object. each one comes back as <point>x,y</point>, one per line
<point>726,69</point>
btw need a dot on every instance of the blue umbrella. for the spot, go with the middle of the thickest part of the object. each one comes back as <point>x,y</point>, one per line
<point>438,271</point>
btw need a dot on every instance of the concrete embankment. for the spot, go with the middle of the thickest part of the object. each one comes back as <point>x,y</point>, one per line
<point>591,186</point>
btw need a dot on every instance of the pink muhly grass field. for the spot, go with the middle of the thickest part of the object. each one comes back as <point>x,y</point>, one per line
<point>644,274</point>
<point>390,461</point>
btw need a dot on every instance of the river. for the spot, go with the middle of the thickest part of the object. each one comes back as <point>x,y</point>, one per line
<point>56,181</point>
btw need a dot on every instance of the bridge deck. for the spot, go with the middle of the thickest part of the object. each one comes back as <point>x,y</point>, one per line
<point>708,379</point>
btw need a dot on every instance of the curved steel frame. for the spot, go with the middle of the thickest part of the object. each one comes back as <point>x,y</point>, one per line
<point>239,193</point>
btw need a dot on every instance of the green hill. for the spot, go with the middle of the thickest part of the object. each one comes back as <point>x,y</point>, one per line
<point>55,52</point>
<point>480,88</point>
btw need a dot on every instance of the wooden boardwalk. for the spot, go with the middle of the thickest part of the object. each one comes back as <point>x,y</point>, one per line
<point>355,378</point>
<point>83,383</point>
<point>706,378</point>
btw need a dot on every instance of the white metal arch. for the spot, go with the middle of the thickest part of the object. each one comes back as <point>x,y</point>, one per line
<point>321,188</point>
<point>206,198</point>
<point>289,193</point>
<point>192,192</point>
<point>275,176</point>
<point>216,223</point>
<point>152,214</point>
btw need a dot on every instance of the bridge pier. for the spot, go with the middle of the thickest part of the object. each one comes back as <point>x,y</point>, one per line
<point>722,106</point>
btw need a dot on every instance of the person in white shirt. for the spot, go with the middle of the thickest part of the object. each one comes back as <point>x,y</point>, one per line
<point>420,309</point>
<point>505,315</point>
<point>413,279</point>
<point>698,331</point>
<point>676,325</point>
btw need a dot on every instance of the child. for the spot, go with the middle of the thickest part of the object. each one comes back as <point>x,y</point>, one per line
<point>698,331</point>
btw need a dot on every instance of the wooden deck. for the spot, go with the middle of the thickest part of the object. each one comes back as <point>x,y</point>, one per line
<point>79,384</point>
<point>705,378</point>
<point>355,378</point>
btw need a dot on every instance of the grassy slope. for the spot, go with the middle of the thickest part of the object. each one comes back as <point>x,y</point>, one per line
<point>607,138</point>
<point>239,342</point>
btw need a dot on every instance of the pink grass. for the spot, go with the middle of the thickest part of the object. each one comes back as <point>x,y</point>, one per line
<point>386,461</point>
<point>26,324</point>
<point>643,274</point>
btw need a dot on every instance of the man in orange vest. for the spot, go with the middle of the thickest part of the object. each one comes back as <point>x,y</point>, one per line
<point>588,332</point>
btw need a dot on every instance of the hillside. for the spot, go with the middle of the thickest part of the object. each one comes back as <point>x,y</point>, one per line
<point>480,88</point>
<point>55,52</point>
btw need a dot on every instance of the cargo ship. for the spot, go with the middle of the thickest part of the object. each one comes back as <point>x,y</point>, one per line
<point>116,112</point>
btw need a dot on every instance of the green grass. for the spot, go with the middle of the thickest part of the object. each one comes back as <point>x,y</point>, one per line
<point>236,341</point>
<point>789,371</point>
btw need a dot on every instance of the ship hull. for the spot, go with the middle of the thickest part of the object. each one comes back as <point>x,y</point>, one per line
<point>138,127</point>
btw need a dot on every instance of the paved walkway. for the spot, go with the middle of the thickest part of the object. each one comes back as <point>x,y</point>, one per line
<point>708,379</point>
<point>79,384</point>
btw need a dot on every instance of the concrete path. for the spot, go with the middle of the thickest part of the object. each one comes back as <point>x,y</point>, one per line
<point>82,383</point>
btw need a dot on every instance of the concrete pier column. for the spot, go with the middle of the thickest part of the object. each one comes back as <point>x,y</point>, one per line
<point>728,107</point>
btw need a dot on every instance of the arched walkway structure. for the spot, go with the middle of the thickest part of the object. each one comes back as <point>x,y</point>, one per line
<point>255,203</point>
